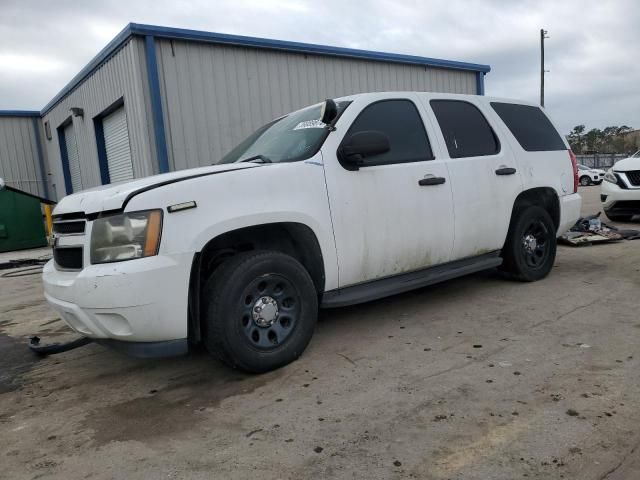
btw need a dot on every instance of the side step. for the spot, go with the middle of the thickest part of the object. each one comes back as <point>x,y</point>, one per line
<point>404,282</point>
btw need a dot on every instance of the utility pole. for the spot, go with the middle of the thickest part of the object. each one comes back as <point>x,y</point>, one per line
<point>543,35</point>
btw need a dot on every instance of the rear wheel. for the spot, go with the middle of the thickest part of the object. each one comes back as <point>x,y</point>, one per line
<point>585,180</point>
<point>261,312</point>
<point>530,248</point>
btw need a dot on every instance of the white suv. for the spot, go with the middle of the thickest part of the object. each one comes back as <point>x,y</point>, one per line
<point>335,204</point>
<point>590,176</point>
<point>620,192</point>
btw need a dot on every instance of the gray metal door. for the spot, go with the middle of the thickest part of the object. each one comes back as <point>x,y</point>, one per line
<point>73,157</point>
<point>116,144</point>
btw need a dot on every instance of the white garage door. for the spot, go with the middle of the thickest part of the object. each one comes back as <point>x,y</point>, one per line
<point>73,157</point>
<point>116,144</point>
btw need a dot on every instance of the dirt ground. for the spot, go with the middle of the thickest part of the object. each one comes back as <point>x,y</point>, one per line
<point>476,378</point>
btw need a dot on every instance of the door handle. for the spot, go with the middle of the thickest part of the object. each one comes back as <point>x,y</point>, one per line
<point>423,182</point>
<point>505,171</point>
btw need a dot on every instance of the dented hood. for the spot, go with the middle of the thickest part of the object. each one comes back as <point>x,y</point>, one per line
<point>115,195</point>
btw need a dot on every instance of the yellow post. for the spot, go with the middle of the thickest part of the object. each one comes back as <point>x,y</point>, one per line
<point>47,214</point>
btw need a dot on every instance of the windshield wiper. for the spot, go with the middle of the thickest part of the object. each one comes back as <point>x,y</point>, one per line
<point>262,159</point>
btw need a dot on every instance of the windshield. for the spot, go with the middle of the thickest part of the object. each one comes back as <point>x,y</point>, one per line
<point>636,155</point>
<point>294,137</point>
<point>582,167</point>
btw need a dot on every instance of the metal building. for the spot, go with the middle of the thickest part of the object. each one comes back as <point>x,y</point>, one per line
<point>157,99</point>
<point>22,161</point>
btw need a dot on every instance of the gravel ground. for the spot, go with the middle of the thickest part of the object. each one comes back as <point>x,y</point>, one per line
<point>476,378</point>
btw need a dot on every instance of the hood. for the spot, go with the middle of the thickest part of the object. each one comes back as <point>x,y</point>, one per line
<point>627,164</point>
<point>115,196</point>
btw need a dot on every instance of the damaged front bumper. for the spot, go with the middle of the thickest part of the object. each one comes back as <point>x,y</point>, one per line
<point>126,305</point>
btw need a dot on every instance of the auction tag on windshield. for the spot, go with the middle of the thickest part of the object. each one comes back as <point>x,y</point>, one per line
<point>310,124</point>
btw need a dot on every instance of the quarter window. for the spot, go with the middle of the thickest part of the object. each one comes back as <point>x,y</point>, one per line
<point>466,132</point>
<point>400,121</point>
<point>531,127</point>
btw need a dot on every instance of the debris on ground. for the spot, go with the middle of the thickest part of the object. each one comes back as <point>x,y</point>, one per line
<point>590,229</point>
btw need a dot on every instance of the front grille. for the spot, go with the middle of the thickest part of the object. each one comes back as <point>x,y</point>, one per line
<point>68,258</point>
<point>634,177</point>
<point>68,228</point>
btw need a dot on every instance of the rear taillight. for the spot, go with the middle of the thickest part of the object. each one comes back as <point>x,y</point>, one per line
<point>574,165</point>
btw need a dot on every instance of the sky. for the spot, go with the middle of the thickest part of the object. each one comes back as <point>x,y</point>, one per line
<point>592,53</point>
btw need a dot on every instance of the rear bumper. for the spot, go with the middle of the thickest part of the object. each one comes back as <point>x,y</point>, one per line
<point>570,206</point>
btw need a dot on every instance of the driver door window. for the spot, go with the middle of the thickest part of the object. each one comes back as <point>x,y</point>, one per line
<point>400,121</point>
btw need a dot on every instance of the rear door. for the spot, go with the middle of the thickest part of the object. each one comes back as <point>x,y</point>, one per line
<point>385,222</point>
<point>484,176</point>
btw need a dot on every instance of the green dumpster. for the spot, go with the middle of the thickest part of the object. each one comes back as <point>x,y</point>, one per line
<point>21,224</point>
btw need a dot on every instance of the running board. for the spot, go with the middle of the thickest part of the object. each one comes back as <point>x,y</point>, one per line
<point>404,282</point>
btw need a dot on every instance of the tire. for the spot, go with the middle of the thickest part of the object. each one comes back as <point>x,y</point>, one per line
<point>530,249</point>
<point>248,287</point>
<point>585,180</point>
<point>618,218</point>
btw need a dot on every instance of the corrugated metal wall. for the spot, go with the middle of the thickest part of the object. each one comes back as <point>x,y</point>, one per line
<point>122,76</point>
<point>19,162</point>
<point>214,96</point>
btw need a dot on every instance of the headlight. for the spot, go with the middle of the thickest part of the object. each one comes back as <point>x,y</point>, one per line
<point>610,176</point>
<point>124,237</point>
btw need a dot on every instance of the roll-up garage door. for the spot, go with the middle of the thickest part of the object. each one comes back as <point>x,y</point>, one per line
<point>116,144</point>
<point>73,157</point>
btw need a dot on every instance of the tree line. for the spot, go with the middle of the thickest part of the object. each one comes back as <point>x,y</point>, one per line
<point>608,140</point>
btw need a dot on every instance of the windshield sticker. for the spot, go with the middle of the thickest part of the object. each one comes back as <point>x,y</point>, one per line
<point>309,124</point>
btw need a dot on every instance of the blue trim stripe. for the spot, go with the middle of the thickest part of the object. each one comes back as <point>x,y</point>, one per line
<point>480,83</point>
<point>43,172</point>
<point>156,103</point>
<point>102,151</point>
<point>19,113</point>
<point>222,38</point>
<point>238,40</point>
<point>64,156</point>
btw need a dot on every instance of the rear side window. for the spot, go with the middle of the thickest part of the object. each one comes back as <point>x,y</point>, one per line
<point>466,132</point>
<point>400,121</point>
<point>531,127</point>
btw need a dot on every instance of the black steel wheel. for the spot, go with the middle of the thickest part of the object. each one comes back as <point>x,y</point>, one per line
<point>261,310</point>
<point>535,243</point>
<point>530,249</point>
<point>270,311</point>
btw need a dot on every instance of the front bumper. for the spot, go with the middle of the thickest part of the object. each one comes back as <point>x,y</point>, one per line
<point>570,206</point>
<point>142,300</point>
<point>619,201</point>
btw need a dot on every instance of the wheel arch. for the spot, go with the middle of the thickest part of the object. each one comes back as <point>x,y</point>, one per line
<point>292,238</point>
<point>545,197</point>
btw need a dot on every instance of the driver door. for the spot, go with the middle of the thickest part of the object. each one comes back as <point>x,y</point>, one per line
<point>386,221</point>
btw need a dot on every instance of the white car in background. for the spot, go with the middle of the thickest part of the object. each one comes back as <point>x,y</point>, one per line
<point>590,176</point>
<point>620,192</point>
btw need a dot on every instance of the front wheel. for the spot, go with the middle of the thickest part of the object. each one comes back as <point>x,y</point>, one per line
<point>530,249</point>
<point>261,311</point>
<point>584,181</point>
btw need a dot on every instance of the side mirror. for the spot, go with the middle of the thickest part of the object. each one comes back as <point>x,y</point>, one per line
<point>328,112</point>
<point>360,145</point>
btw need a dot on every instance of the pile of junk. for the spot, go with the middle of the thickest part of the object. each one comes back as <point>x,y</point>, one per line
<point>590,229</point>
